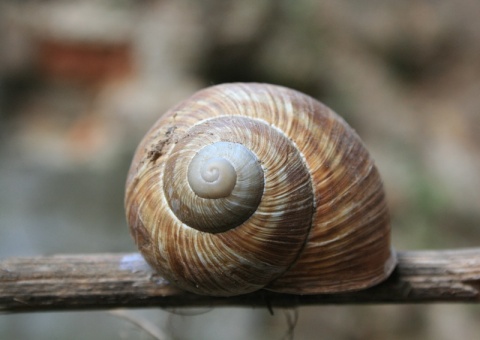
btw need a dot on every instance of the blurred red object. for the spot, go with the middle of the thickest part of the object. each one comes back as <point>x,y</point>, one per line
<point>85,62</point>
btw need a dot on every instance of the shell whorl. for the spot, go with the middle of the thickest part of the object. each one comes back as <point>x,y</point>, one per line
<point>249,186</point>
<point>216,188</point>
<point>212,173</point>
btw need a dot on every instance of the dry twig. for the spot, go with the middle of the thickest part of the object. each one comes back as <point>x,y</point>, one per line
<point>104,281</point>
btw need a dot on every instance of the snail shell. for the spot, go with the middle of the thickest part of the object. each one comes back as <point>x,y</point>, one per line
<point>250,186</point>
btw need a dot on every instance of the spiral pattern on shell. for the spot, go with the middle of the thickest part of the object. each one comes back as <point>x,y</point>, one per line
<point>250,186</point>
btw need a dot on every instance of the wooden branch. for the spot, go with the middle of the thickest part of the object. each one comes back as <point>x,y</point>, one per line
<point>101,281</point>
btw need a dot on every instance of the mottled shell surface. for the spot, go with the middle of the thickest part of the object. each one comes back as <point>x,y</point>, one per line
<point>303,209</point>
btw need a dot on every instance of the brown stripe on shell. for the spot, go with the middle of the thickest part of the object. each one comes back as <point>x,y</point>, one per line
<point>349,244</point>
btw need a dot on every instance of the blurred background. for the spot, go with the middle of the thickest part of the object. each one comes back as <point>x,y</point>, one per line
<point>81,82</point>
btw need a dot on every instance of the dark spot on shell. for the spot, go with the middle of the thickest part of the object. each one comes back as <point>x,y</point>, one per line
<point>170,131</point>
<point>156,150</point>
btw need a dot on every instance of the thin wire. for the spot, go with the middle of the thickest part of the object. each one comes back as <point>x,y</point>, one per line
<point>291,316</point>
<point>143,324</point>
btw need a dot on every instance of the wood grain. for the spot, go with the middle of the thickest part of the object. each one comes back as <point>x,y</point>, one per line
<point>104,281</point>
